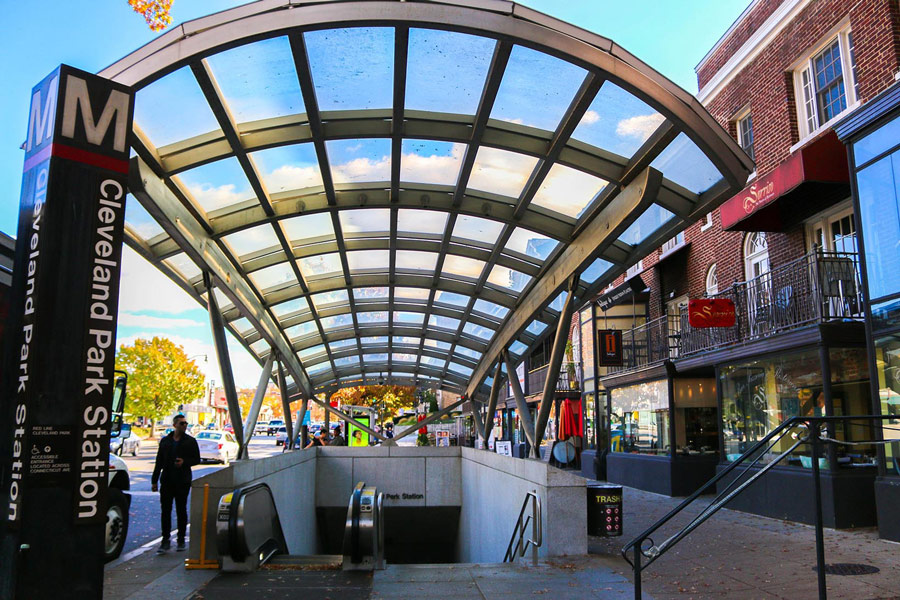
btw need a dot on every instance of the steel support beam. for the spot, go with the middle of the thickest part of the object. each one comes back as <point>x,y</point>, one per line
<point>253,414</point>
<point>623,209</point>
<point>431,419</point>
<point>218,331</point>
<point>556,356</point>
<point>479,422</point>
<point>521,405</point>
<point>286,406</point>
<point>492,403</point>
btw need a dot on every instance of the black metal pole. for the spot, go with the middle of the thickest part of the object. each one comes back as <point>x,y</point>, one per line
<point>637,570</point>
<point>817,484</point>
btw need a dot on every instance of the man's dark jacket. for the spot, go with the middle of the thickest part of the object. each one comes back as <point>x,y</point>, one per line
<point>187,450</point>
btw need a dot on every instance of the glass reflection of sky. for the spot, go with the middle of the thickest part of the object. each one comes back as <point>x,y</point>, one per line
<point>321,264</point>
<point>558,302</point>
<point>568,191</point>
<point>536,89</point>
<point>184,265</point>
<point>251,240</point>
<point>408,317</point>
<point>443,322</point>
<point>361,260</point>
<point>438,344</point>
<point>273,276</point>
<point>337,345</point>
<point>140,220</point>
<point>446,70</point>
<point>478,331</point>
<point>451,298</point>
<point>336,322</point>
<point>478,229</point>
<point>650,220</point>
<point>501,171</point>
<point>411,221</point>
<point>291,306</point>
<point>459,369</point>
<point>346,361</point>
<point>352,68</point>
<point>427,161</point>
<point>536,327</point>
<point>490,309</point>
<point>370,293</point>
<point>530,243</point>
<point>301,330</point>
<point>466,352</point>
<point>217,184</point>
<point>154,115</point>
<point>517,348</point>
<point>244,71</point>
<point>365,220</point>
<point>595,270</point>
<point>410,293</point>
<point>288,168</point>
<point>617,121</point>
<point>462,266</point>
<point>685,164</point>
<point>508,278</point>
<point>327,298</point>
<point>360,160</point>
<point>306,227</point>
<point>414,260</point>
<point>376,316</point>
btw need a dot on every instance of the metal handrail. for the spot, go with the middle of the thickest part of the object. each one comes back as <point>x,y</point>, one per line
<point>803,430</point>
<point>537,531</point>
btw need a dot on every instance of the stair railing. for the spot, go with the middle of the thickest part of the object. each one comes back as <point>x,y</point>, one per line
<point>518,545</point>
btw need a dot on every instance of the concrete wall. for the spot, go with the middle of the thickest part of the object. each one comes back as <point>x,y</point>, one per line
<point>493,489</point>
<point>407,475</point>
<point>291,477</point>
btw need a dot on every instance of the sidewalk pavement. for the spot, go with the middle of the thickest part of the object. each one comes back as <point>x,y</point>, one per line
<point>732,555</point>
<point>739,555</point>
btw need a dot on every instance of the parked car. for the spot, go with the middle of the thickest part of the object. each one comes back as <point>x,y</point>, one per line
<point>216,445</point>
<point>261,427</point>
<point>228,428</point>
<point>280,435</point>
<point>273,426</point>
<point>125,442</point>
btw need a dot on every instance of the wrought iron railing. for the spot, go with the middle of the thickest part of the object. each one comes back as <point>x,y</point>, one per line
<point>569,379</point>
<point>815,288</point>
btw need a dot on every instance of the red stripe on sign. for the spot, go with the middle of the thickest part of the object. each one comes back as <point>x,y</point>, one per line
<point>90,158</point>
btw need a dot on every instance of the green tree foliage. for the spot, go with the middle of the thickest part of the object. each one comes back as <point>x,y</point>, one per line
<point>160,377</point>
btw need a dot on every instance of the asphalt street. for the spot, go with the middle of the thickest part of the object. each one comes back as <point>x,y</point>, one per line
<point>143,524</point>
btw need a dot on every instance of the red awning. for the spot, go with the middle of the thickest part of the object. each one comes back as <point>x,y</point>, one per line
<point>812,179</point>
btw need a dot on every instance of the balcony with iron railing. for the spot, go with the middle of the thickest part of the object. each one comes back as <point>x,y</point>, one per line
<point>569,379</point>
<point>816,288</point>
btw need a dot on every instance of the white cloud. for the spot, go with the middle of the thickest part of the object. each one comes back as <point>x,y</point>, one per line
<point>144,288</point>
<point>363,169</point>
<point>289,177</point>
<point>590,117</point>
<point>211,198</point>
<point>567,191</point>
<point>640,127</point>
<point>149,322</point>
<point>501,171</point>
<point>416,168</point>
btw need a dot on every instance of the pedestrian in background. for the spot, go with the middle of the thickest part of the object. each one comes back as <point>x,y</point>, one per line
<point>177,453</point>
<point>338,439</point>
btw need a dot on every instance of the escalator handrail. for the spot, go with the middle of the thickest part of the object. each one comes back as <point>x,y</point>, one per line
<point>356,552</point>
<point>238,551</point>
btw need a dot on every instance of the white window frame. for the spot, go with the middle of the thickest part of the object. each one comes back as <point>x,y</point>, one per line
<point>753,257</point>
<point>806,99</point>
<point>738,121</point>
<point>707,222</point>
<point>712,280</point>
<point>823,221</point>
<point>634,269</point>
<point>672,244</point>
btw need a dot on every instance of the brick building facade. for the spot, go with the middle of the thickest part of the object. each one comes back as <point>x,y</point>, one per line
<point>784,250</point>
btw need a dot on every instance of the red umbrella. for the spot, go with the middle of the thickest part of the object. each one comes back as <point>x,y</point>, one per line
<point>570,419</point>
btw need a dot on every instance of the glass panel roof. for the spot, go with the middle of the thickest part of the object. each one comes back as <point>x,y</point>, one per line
<point>291,306</point>
<point>252,240</point>
<point>403,357</point>
<point>535,245</point>
<point>568,191</point>
<point>275,275</point>
<point>477,229</point>
<point>368,260</point>
<point>154,115</point>
<point>288,168</point>
<point>217,184</point>
<point>426,161</point>
<point>352,68</point>
<point>536,89</point>
<point>685,164</point>
<point>462,266</point>
<point>413,222</point>
<point>320,265</point>
<point>313,351</point>
<point>365,220</point>
<point>446,70</point>
<point>371,358</point>
<point>652,219</point>
<point>379,214</point>
<point>501,171</point>
<point>617,121</point>
<point>434,362</point>
<point>242,325</point>
<point>266,65</point>
<point>305,228</point>
<point>361,160</point>
<point>370,293</point>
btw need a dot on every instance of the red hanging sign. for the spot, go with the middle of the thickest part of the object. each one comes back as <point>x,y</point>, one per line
<point>711,312</point>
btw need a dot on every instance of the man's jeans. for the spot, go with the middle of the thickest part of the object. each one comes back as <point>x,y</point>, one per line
<point>178,493</point>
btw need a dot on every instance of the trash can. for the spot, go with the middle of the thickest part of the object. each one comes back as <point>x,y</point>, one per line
<point>604,505</point>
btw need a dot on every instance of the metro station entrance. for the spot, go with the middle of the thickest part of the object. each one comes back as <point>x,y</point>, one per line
<point>416,191</point>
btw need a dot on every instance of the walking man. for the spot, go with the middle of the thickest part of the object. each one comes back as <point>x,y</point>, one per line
<point>177,453</point>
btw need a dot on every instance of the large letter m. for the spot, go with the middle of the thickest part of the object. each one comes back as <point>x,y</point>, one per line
<point>116,108</point>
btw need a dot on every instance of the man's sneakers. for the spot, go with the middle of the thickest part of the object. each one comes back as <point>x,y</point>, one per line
<point>165,546</point>
<point>181,547</point>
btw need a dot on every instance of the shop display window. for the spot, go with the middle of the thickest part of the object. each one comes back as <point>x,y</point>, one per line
<point>590,425</point>
<point>850,395</point>
<point>639,418</point>
<point>887,361</point>
<point>696,417</point>
<point>759,395</point>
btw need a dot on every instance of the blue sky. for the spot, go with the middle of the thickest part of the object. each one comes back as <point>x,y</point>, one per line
<point>671,36</point>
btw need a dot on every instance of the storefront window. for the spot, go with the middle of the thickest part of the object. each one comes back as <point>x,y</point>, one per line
<point>887,361</point>
<point>639,419</point>
<point>696,417</point>
<point>759,395</point>
<point>879,208</point>
<point>850,395</point>
<point>587,349</point>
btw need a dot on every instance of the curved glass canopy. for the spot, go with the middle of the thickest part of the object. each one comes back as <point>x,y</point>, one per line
<point>402,191</point>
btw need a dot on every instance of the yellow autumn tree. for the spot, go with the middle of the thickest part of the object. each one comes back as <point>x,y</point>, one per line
<point>160,377</point>
<point>155,12</point>
<point>272,400</point>
<point>392,397</point>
